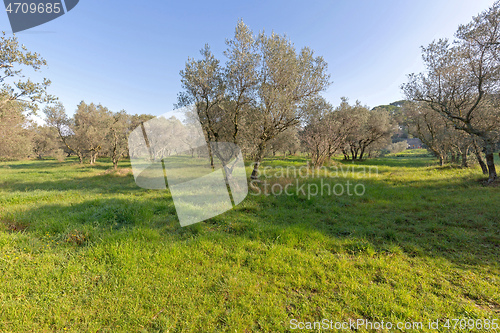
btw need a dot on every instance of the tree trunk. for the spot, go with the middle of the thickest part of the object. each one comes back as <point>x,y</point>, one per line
<point>465,164</point>
<point>330,154</point>
<point>441,160</point>
<point>490,162</point>
<point>115,159</point>
<point>482,164</point>
<point>258,159</point>
<point>346,156</point>
<point>354,153</point>
<point>93,157</point>
<point>114,156</point>
<point>362,153</point>
<point>480,159</point>
<point>211,156</point>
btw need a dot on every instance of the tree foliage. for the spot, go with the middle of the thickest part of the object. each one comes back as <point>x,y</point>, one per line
<point>18,97</point>
<point>461,82</point>
<point>257,94</point>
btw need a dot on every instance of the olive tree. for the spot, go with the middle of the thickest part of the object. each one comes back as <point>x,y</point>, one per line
<point>18,96</point>
<point>325,130</point>
<point>256,95</point>
<point>15,136</point>
<point>287,80</point>
<point>116,142</point>
<point>369,129</point>
<point>462,80</point>
<point>222,94</point>
<point>86,133</point>
<point>204,87</point>
<point>46,142</point>
<point>431,128</point>
<point>57,118</point>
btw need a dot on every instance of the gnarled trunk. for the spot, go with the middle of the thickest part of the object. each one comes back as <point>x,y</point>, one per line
<point>211,156</point>
<point>362,153</point>
<point>490,162</point>
<point>465,163</point>
<point>480,158</point>
<point>258,158</point>
<point>93,157</point>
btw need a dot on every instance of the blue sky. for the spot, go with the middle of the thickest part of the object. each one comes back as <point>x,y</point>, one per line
<point>128,54</point>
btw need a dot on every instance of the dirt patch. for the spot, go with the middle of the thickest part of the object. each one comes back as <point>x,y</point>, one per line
<point>77,237</point>
<point>124,171</point>
<point>14,226</point>
<point>494,307</point>
<point>496,183</point>
<point>484,181</point>
<point>118,172</point>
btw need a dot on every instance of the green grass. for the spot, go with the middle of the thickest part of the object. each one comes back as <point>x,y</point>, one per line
<point>83,249</point>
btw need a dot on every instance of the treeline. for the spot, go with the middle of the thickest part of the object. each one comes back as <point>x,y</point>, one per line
<point>353,130</point>
<point>443,139</point>
<point>93,131</point>
<point>265,97</point>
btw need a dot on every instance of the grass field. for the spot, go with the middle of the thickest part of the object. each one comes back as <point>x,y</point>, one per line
<point>83,249</point>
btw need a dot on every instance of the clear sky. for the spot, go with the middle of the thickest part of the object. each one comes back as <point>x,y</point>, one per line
<point>128,54</point>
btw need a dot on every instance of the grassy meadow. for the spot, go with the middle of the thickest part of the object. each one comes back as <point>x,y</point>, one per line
<point>83,249</point>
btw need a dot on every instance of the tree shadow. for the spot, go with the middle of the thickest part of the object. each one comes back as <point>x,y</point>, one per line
<point>435,220</point>
<point>44,164</point>
<point>97,217</point>
<point>458,222</point>
<point>102,164</point>
<point>110,182</point>
<point>406,162</point>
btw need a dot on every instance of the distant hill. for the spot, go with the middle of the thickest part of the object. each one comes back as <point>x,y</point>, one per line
<point>396,111</point>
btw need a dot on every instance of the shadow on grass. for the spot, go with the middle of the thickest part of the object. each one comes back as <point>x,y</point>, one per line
<point>29,165</point>
<point>435,219</point>
<point>101,164</point>
<point>108,182</point>
<point>98,217</point>
<point>407,162</point>
<point>464,231</point>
